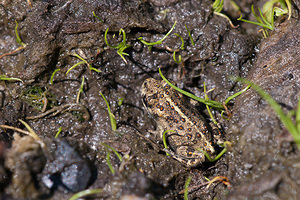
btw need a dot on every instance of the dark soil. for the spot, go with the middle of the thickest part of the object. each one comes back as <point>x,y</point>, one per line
<point>263,162</point>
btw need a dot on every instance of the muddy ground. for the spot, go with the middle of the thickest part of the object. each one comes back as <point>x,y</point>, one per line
<point>263,162</point>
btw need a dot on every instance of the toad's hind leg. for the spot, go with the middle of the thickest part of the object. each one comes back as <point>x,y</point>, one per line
<point>187,157</point>
<point>217,134</point>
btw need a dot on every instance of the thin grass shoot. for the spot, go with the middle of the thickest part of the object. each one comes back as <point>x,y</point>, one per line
<point>80,90</point>
<point>190,36</point>
<point>71,68</point>
<point>214,104</point>
<point>179,58</point>
<point>110,114</point>
<point>120,101</point>
<point>52,76</point>
<point>159,41</point>
<point>31,131</point>
<point>207,107</point>
<point>58,132</point>
<point>18,40</point>
<point>94,14</point>
<point>111,168</point>
<point>186,187</point>
<point>165,140</point>
<point>293,128</point>
<point>182,41</point>
<point>236,94</point>
<point>121,46</point>
<point>114,151</point>
<point>84,193</point>
<point>225,146</point>
<point>266,18</point>
<point>5,78</point>
<point>83,61</point>
<point>218,6</point>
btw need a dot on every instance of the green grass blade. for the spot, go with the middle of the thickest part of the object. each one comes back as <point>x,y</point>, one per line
<point>267,9</point>
<point>287,122</point>
<point>120,101</point>
<point>165,140</point>
<point>224,150</point>
<point>253,22</point>
<point>80,90</point>
<point>31,131</point>
<point>111,168</point>
<point>94,69</point>
<point>214,104</point>
<point>114,150</point>
<point>289,5</point>
<point>255,15</point>
<point>113,46</point>
<point>259,21</point>
<point>190,36</point>
<point>83,61</point>
<point>121,46</point>
<point>159,41</point>
<point>227,18</point>
<point>84,193</point>
<point>121,53</point>
<point>215,158</point>
<point>79,63</point>
<point>106,41</point>
<point>78,56</point>
<point>94,14</point>
<point>236,94</point>
<point>179,58</point>
<point>123,43</point>
<point>182,42</point>
<point>270,26</point>
<point>186,187</point>
<point>207,107</point>
<point>18,39</point>
<point>298,117</point>
<point>218,6</point>
<point>5,78</point>
<point>52,76</point>
<point>58,132</point>
<point>111,116</point>
<point>215,4</point>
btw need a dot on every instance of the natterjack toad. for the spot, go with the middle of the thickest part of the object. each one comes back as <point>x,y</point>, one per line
<point>191,134</point>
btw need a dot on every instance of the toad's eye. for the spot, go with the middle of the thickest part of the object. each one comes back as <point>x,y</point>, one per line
<point>145,84</point>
